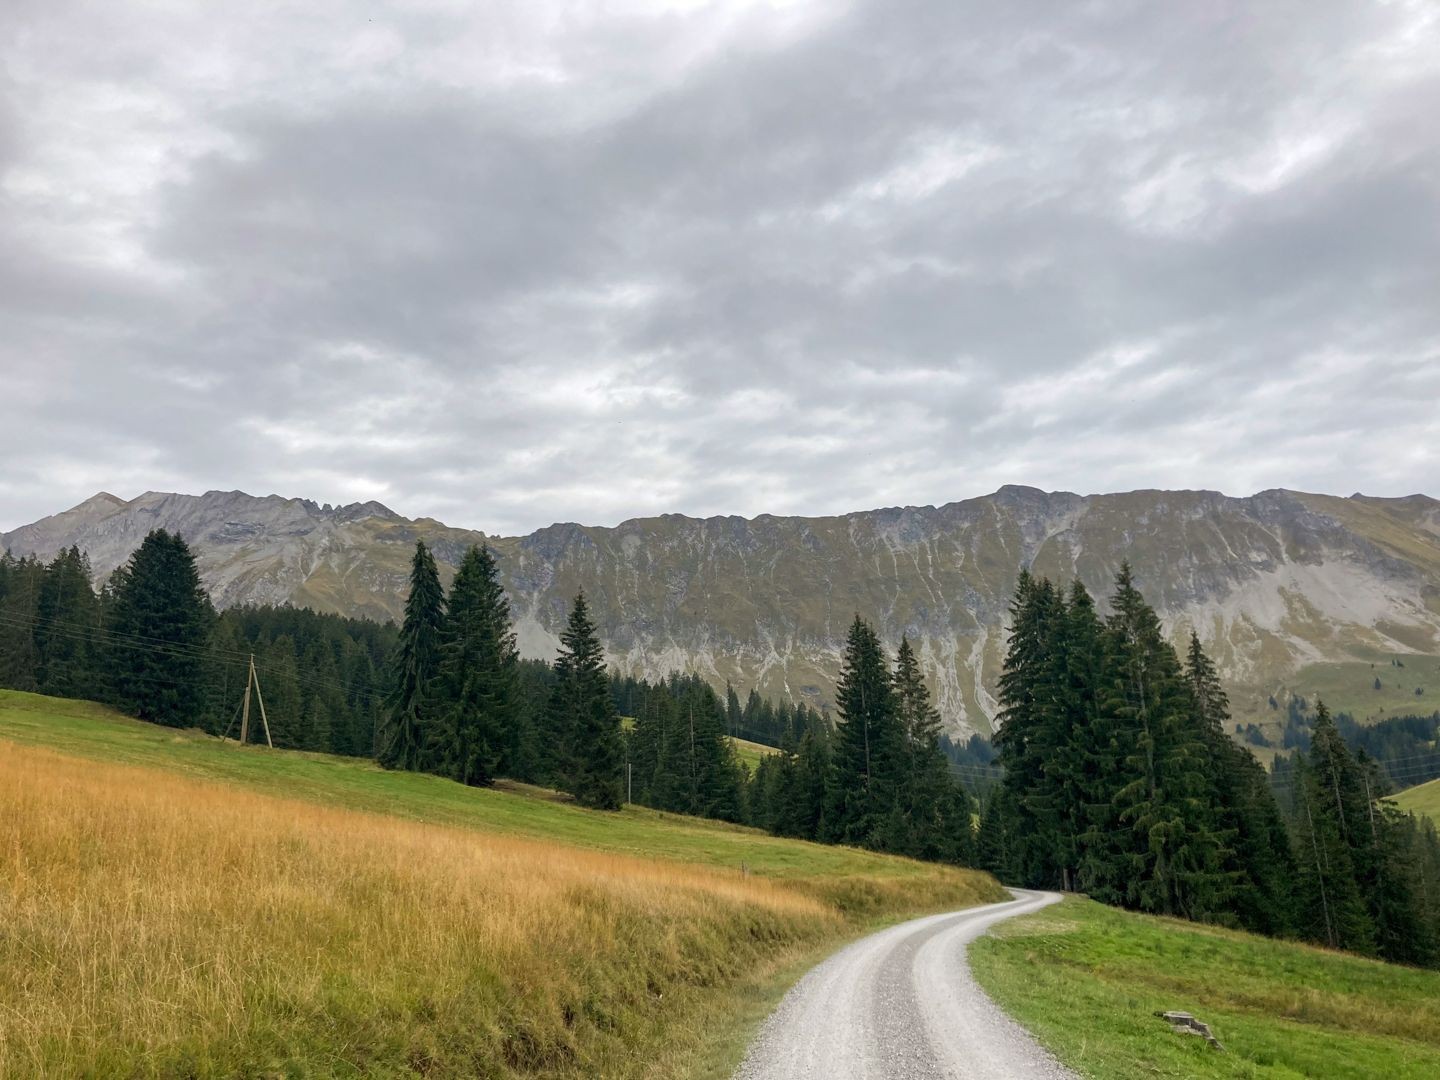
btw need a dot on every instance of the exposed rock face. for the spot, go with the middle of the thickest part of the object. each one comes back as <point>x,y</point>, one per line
<point>1271,582</point>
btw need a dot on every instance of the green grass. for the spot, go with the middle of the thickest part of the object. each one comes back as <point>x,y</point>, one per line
<point>861,883</point>
<point>1349,686</point>
<point>1422,799</point>
<point>1087,980</point>
<point>750,753</point>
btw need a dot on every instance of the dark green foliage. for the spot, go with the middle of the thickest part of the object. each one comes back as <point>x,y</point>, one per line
<point>20,584</point>
<point>1259,863</point>
<point>67,625</point>
<point>1120,776</point>
<point>1169,859</point>
<point>1330,812</point>
<point>409,709</point>
<point>869,746</point>
<point>582,723</point>
<point>934,810</point>
<point>476,738</point>
<point>679,753</point>
<point>318,674</point>
<point>1061,780</point>
<point>159,628</point>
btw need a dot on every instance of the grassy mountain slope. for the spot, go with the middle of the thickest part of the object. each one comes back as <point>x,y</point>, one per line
<point>174,905</point>
<point>1421,799</point>
<point>1280,585</point>
<point>1087,980</point>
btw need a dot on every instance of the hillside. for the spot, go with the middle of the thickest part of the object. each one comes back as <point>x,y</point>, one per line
<point>176,905</point>
<point>1282,586</point>
<point>1421,799</point>
<point>1088,981</point>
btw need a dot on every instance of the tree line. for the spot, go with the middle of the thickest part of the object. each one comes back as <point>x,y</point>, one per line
<point>1121,782</point>
<point>150,643</point>
<point>878,778</point>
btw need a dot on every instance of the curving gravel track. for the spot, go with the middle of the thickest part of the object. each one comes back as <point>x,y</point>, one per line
<point>901,1004</point>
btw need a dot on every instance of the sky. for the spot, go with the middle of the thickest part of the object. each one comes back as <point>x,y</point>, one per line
<point>506,264</point>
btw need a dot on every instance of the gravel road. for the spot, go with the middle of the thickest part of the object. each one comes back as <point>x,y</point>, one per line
<point>901,1004</point>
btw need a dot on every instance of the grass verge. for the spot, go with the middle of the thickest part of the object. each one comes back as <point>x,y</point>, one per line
<point>1087,979</point>
<point>174,906</point>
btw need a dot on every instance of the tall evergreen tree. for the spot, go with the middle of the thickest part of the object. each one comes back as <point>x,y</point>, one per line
<point>477,722</point>
<point>20,584</point>
<point>926,793</point>
<point>159,629</point>
<point>67,613</point>
<point>582,716</point>
<point>1258,850</point>
<point>1030,737</point>
<point>869,745</point>
<point>1170,858</point>
<point>1330,794</point>
<point>409,709</point>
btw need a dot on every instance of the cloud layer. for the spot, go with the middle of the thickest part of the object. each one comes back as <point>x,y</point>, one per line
<point>518,263</point>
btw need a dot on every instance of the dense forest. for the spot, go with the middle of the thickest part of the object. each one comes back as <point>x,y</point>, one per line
<point>150,643</point>
<point>1114,772</point>
<point>1120,781</point>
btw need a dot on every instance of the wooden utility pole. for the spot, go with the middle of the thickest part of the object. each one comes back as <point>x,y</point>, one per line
<point>245,709</point>
<point>253,678</point>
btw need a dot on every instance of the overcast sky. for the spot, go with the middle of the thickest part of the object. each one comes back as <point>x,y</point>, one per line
<point>510,263</point>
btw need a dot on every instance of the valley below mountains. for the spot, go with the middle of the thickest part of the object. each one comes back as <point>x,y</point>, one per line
<point>1292,593</point>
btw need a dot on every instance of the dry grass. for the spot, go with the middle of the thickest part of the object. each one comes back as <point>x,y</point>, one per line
<point>151,924</point>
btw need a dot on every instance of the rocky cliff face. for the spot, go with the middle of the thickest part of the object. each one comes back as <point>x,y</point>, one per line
<point>1273,582</point>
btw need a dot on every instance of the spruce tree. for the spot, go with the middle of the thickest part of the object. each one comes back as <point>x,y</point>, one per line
<point>66,644</point>
<point>869,744</point>
<point>1258,857</point>
<point>583,718</point>
<point>926,796</point>
<point>1078,770</point>
<point>1332,909</point>
<point>477,716</point>
<point>1031,736</point>
<point>159,629</point>
<point>20,584</point>
<point>409,709</point>
<point>1168,860</point>
<point>806,796</point>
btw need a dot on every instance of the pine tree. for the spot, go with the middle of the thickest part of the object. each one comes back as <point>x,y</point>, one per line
<point>926,794</point>
<point>159,630</point>
<point>1169,858</point>
<point>1258,857</point>
<point>66,645</point>
<point>806,795</point>
<point>1077,773</point>
<point>478,660</point>
<point>869,745</point>
<point>646,745</point>
<point>1330,794</point>
<point>583,718</point>
<point>1032,735</point>
<point>20,584</point>
<point>409,710</point>
<point>278,669</point>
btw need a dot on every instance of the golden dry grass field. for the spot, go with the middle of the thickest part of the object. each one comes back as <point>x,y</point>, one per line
<point>160,924</point>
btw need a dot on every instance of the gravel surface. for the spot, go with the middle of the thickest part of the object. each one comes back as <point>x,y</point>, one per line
<point>901,1004</point>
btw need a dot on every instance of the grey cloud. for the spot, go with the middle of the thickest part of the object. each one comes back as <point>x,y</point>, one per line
<point>904,253</point>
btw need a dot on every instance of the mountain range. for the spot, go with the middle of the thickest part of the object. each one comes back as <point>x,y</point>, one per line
<point>1282,586</point>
